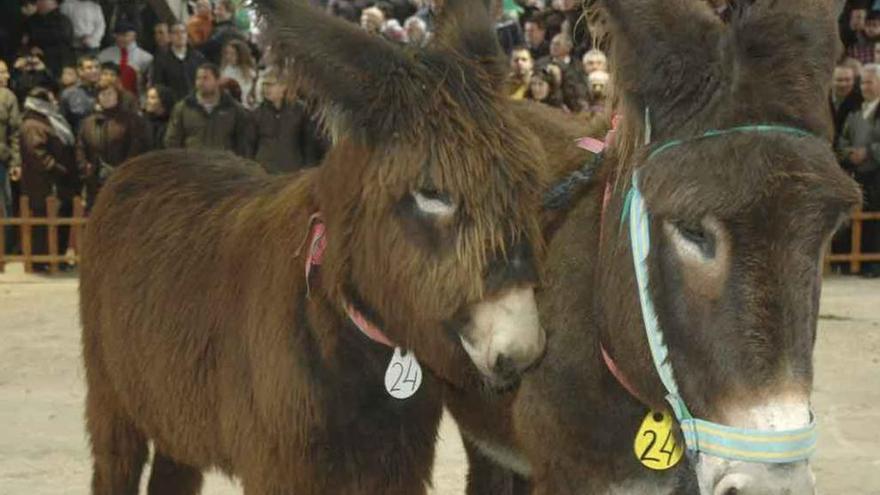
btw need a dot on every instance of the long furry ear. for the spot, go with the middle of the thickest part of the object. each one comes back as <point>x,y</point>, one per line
<point>664,53</point>
<point>467,28</point>
<point>782,53</point>
<point>350,71</point>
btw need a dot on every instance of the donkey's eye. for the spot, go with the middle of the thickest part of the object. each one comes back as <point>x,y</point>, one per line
<point>433,202</point>
<point>698,236</point>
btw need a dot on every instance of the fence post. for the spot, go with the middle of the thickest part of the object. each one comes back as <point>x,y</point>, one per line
<point>79,213</point>
<point>52,215</point>
<point>855,266</point>
<point>25,231</point>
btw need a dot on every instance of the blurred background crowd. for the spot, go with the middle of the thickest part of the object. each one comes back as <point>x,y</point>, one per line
<point>87,84</point>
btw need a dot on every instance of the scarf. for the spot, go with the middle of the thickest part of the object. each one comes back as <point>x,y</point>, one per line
<point>48,110</point>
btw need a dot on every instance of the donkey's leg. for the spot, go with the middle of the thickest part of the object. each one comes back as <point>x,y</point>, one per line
<point>486,477</point>
<point>168,477</point>
<point>119,450</point>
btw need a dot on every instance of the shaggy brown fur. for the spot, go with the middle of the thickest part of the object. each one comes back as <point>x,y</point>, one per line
<point>200,332</point>
<point>777,199</point>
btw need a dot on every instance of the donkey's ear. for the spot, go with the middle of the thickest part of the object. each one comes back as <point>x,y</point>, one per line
<point>345,67</point>
<point>466,27</point>
<point>665,51</point>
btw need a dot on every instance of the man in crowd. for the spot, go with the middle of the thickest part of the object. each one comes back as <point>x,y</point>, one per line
<point>78,101</point>
<point>536,37</point>
<point>132,60</point>
<point>594,60</point>
<point>161,38</point>
<point>51,32</point>
<point>209,118</point>
<point>286,140</point>
<point>372,20</point>
<point>859,150</point>
<point>862,49</point>
<point>560,52</point>
<point>88,24</point>
<point>10,158</point>
<point>200,25</point>
<point>176,67</point>
<point>845,98</point>
<point>521,65</point>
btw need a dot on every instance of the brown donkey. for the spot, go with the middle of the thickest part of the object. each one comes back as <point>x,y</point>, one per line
<point>738,193</point>
<point>246,323</point>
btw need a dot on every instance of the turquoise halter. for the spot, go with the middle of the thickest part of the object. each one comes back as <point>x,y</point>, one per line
<point>760,446</point>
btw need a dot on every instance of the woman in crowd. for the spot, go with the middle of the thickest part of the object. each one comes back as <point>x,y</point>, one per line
<point>545,87</point>
<point>238,64</point>
<point>107,138</point>
<point>157,110</point>
<point>48,166</point>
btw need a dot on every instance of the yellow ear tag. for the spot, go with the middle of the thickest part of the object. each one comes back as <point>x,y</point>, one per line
<point>655,446</point>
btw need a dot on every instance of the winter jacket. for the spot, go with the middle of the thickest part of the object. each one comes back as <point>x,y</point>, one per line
<point>227,127</point>
<point>179,75</point>
<point>53,33</point>
<point>47,165</point>
<point>10,123</point>
<point>286,138</point>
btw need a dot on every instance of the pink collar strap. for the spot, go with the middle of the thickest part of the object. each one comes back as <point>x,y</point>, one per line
<point>317,246</point>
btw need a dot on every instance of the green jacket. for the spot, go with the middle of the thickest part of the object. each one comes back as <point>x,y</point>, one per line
<point>227,127</point>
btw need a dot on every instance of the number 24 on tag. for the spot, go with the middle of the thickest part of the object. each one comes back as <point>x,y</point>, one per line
<point>403,377</point>
<point>655,444</point>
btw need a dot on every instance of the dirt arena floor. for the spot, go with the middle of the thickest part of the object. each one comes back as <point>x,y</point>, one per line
<point>43,448</point>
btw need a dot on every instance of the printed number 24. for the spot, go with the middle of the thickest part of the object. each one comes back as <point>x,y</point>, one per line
<point>664,449</point>
<point>408,376</point>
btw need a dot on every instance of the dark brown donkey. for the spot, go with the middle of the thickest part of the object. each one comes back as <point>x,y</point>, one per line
<point>738,220</point>
<point>245,323</point>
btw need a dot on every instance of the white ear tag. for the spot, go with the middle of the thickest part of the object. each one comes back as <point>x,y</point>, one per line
<point>403,377</point>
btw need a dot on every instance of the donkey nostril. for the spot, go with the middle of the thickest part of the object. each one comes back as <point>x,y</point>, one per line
<point>504,367</point>
<point>732,491</point>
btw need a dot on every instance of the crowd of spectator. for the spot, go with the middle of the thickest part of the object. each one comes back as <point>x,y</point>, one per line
<point>854,100</point>
<point>87,84</point>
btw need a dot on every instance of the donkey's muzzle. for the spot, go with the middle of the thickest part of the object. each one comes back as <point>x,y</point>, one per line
<point>746,478</point>
<point>504,337</point>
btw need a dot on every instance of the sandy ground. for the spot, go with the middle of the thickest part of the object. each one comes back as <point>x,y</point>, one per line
<point>43,448</point>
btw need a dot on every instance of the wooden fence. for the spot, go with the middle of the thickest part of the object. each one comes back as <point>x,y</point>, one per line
<point>26,223</point>
<point>856,257</point>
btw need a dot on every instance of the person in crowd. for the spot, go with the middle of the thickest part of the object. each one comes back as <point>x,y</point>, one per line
<point>863,47</point>
<point>106,139</point>
<point>10,158</point>
<point>372,20</point>
<point>132,60</point>
<point>508,31</point>
<point>594,60</point>
<point>394,32</point>
<point>536,36</point>
<point>845,97</point>
<point>428,13</point>
<point>597,97</point>
<point>286,140</point>
<point>68,79</point>
<point>79,100</point>
<point>416,31</point>
<point>48,166</point>
<point>161,38</point>
<point>545,87</point>
<point>209,118</point>
<point>223,32</point>
<point>88,23</point>
<point>521,65</point>
<point>200,25</point>
<point>110,77</point>
<point>51,32</point>
<point>560,52</point>
<point>29,71</point>
<point>176,67</point>
<point>158,104</point>
<point>578,32</point>
<point>238,64</point>
<point>859,151</point>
